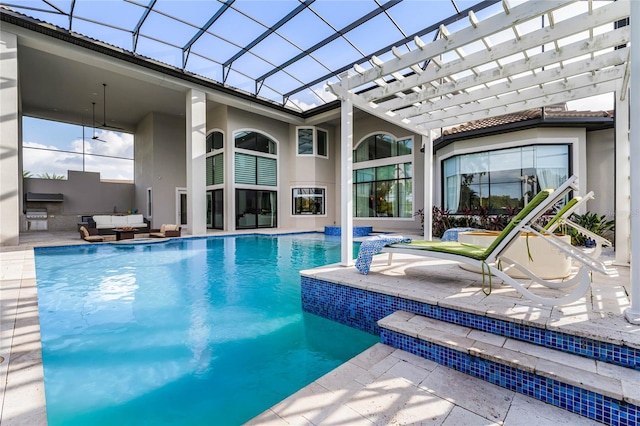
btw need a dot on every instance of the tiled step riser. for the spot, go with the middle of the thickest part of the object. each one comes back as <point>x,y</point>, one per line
<point>362,309</point>
<point>572,398</point>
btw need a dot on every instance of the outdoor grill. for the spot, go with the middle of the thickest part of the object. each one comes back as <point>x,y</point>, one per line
<point>37,219</point>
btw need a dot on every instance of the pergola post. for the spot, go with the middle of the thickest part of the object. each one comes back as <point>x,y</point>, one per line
<point>346,178</point>
<point>633,312</point>
<point>622,183</point>
<point>427,143</point>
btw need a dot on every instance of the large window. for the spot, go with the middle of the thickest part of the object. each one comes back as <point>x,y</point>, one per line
<point>382,176</point>
<point>308,201</point>
<point>254,170</point>
<point>52,148</point>
<point>384,191</point>
<point>256,209</point>
<point>504,179</point>
<point>313,141</point>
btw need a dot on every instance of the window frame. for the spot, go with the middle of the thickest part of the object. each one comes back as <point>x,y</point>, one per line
<point>397,161</point>
<point>315,147</point>
<point>214,152</point>
<point>443,176</point>
<point>293,201</point>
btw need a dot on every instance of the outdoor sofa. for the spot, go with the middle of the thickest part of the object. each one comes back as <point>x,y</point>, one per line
<point>105,224</point>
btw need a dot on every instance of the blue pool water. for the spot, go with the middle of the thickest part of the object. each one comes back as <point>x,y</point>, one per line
<point>192,331</point>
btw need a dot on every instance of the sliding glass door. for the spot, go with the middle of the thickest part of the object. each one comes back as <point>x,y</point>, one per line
<point>256,209</point>
<point>215,209</point>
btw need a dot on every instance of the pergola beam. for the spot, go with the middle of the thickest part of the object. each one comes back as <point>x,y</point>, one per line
<point>544,59</point>
<point>378,112</point>
<point>490,82</point>
<point>491,25</point>
<point>552,81</point>
<point>501,106</point>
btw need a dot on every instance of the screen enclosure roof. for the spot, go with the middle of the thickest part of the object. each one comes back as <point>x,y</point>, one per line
<point>283,51</point>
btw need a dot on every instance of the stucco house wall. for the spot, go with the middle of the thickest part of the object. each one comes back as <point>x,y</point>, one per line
<point>84,194</point>
<point>601,169</point>
<point>160,155</point>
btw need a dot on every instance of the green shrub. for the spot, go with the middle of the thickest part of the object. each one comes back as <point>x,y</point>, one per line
<point>591,222</point>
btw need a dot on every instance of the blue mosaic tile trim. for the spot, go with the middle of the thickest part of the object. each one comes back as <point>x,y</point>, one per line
<point>358,231</point>
<point>362,309</point>
<point>572,398</point>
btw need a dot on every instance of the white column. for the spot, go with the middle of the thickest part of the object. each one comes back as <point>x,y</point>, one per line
<point>10,173</point>
<point>622,182</point>
<point>346,179</point>
<point>196,125</point>
<point>633,312</point>
<point>427,142</point>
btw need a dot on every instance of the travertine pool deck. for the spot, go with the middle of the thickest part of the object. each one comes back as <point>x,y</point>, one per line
<point>380,386</point>
<point>385,385</point>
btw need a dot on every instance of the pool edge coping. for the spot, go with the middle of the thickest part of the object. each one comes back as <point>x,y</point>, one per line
<point>22,393</point>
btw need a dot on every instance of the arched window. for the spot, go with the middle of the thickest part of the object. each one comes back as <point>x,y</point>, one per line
<point>380,146</point>
<point>254,141</point>
<point>215,158</point>
<point>382,176</point>
<point>215,180</point>
<point>256,206</point>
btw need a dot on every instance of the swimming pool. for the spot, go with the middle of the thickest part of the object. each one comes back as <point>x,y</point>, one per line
<point>191,331</point>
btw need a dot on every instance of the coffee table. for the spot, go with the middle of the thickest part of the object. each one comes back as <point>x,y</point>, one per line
<point>124,234</point>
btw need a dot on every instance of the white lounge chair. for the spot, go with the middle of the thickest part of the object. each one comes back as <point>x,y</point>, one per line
<point>491,260</point>
<point>563,219</point>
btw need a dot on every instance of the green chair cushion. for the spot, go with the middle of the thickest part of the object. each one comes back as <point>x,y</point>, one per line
<point>535,202</point>
<point>453,247</point>
<point>562,211</point>
<point>478,252</point>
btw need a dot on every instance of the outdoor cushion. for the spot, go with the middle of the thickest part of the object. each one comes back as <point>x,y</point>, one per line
<point>103,221</point>
<point>467,250</point>
<point>119,221</point>
<point>91,238</point>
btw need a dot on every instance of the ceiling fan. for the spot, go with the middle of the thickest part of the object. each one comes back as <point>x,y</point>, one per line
<point>95,137</point>
<point>104,124</point>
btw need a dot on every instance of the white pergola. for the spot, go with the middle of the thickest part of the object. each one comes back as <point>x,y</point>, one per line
<point>535,54</point>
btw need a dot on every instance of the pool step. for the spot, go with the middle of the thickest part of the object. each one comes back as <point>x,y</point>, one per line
<point>595,389</point>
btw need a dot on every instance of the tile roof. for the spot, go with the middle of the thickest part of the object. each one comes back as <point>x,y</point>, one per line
<point>550,112</point>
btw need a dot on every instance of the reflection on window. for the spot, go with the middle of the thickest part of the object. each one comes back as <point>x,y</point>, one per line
<point>308,201</point>
<point>313,141</point>
<point>380,146</point>
<point>256,209</point>
<point>385,191</point>
<point>50,149</point>
<point>255,141</point>
<point>214,141</point>
<point>502,180</point>
<point>215,209</point>
<point>305,141</point>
